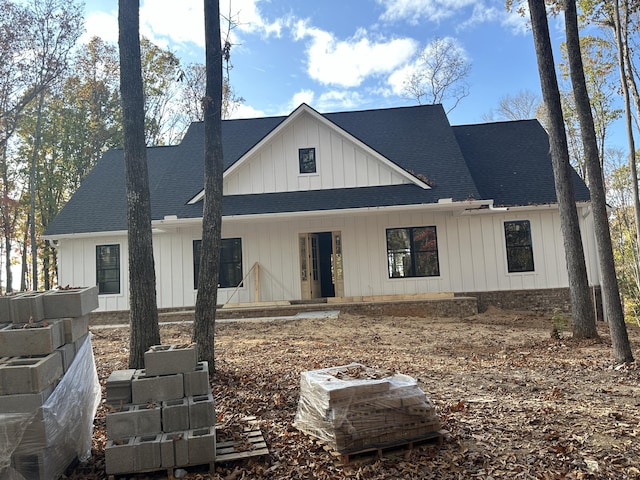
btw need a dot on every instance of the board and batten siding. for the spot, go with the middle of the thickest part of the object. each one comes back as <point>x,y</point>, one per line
<point>471,251</point>
<point>340,163</point>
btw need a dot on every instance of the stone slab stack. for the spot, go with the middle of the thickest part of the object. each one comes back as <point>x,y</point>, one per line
<point>353,408</point>
<point>162,416</point>
<point>49,388</point>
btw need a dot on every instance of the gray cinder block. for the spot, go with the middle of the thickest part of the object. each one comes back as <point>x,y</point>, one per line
<point>30,374</point>
<point>24,402</point>
<point>47,464</point>
<point>67,353</point>
<point>201,411</point>
<point>75,328</point>
<point>202,445</point>
<point>175,415</point>
<point>118,387</point>
<point>197,382</point>
<point>71,302</point>
<point>145,389</point>
<point>5,307</point>
<point>39,339</point>
<point>133,421</point>
<point>174,449</point>
<point>146,454</point>
<point>119,456</point>
<point>169,359</point>
<point>27,308</point>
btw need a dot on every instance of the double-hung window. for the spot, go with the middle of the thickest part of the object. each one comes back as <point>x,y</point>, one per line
<point>412,252</point>
<point>230,272</point>
<point>517,236</point>
<point>108,269</point>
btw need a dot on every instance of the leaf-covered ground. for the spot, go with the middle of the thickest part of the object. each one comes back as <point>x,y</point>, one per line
<point>517,403</point>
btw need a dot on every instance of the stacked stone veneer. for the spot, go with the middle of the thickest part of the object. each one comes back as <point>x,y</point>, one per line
<point>163,416</point>
<point>49,389</point>
<point>354,408</point>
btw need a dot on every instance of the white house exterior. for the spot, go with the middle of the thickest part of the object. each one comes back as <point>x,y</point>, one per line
<point>352,204</point>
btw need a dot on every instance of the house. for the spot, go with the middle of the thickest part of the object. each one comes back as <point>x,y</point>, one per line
<point>349,204</point>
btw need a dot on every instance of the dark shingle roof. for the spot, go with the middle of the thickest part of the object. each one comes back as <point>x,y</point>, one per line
<point>510,162</point>
<point>507,162</point>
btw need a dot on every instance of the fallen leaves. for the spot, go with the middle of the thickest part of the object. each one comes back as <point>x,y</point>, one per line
<point>516,403</point>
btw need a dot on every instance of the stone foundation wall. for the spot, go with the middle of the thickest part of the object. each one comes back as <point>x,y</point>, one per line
<point>463,304</point>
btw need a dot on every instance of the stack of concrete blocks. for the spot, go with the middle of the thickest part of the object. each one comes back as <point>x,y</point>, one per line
<point>40,335</point>
<point>354,412</point>
<point>163,416</point>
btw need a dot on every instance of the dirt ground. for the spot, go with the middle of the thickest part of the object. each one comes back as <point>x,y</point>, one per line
<point>516,402</point>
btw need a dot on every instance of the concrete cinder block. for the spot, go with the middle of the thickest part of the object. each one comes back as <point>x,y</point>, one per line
<point>197,382</point>
<point>24,402</point>
<point>146,454</point>
<point>119,456</point>
<point>67,353</point>
<point>30,374</point>
<point>133,421</point>
<point>201,411</point>
<point>169,359</point>
<point>202,445</point>
<point>118,387</point>
<point>47,464</point>
<point>174,449</point>
<point>27,308</point>
<point>40,339</point>
<point>75,328</point>
<point>175,415</point>
<point>5,307</point>
<point>145,389</point>
<point>70,302</point>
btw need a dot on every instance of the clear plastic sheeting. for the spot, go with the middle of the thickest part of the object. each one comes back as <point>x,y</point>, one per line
<point>354,407</point>
<point>41,443</point>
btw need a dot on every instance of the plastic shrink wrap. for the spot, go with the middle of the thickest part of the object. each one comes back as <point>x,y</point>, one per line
<point>353,407</point>
<point>42,433</point>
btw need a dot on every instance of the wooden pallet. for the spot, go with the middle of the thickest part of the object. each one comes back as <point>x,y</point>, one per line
<point>252,444</point>
<point>377,451</point>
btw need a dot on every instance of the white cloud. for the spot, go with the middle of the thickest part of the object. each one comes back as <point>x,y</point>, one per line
<point>415,10</point>
<point>178,22</point>
<point>338,99</point>
<point>246,111</point>
<point>347,63</point>
<point>302,96</point>
<point>249,18</point>
<point>101,24</point>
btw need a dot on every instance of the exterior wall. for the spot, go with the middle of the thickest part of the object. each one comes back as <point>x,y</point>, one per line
<point>340,163</point>
<point>471,252</point>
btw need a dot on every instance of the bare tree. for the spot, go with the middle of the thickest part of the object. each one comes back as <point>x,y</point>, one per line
<point>521,106</point>
<point>440,74</point>
<point>584,324</point>
<point>205,315</point>
<point>143,313</point>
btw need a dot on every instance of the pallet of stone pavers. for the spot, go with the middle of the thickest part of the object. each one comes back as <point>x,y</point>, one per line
<point>377,451</point>
<point>247,444</point>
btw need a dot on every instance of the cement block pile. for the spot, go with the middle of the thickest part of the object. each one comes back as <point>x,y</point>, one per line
<point>352,408</point>
<point>49,388</point>
<point>162,416</point>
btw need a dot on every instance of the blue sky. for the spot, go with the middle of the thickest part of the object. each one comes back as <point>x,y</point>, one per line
<point>340,55</point>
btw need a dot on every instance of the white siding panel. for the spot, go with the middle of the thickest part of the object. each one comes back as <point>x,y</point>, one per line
<point>339,163</point>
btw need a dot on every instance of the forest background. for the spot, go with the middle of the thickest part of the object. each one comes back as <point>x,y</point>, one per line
<point>60,110</point>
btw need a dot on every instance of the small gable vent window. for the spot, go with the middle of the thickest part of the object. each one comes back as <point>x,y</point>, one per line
<point>517,235</point>
<point>307,159</point>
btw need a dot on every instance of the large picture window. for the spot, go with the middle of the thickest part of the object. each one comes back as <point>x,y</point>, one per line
<point>412,252</point>
<point>230,263</point>
<point>108,269</point>
<point>517,236</point>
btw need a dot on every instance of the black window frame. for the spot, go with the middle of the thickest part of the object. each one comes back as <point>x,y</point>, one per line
<point>107,281</point>
<point>230,270</point>
<point>519,246</point>
<point>423,257</point>
<point>307,161</point>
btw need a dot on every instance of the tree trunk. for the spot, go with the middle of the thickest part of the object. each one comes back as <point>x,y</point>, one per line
<point>32,194</point>
<point>614,312</point>
<point>25,265</point>
<point>582,307</point>
<point>203,328</point>
<point>143,313</point>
